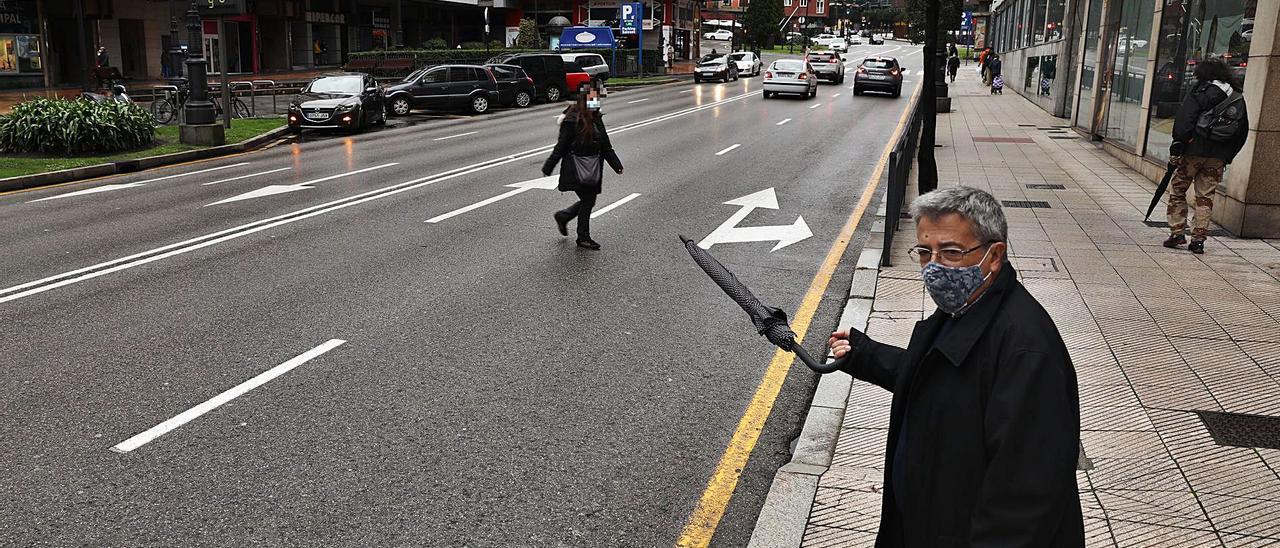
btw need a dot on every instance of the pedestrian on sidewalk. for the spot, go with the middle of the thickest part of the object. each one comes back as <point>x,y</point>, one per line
<point>985,423</point>
<point>982,66</point>
<point>1209,129</point>
<point>102,59</point>
<point>953,65</point>
<point>993,69</point>
<point>580,150</point>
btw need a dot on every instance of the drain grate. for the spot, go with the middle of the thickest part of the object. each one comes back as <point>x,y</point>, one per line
<point>1216,232</point>
<point>1241,430</point>
<point>1025,204</point>
<point>1042,186</point>
<point>1063,137</point>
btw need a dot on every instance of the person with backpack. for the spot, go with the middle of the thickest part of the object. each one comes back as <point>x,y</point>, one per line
<point>953,64</point>
<point>994,65</point>
<point>583,145</point>
<point>1209,129</point>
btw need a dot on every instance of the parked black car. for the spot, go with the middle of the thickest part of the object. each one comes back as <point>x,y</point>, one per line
<point>515,88</point>
<point>444,87</point>
<point>546,69</point>
<point>345,100</point>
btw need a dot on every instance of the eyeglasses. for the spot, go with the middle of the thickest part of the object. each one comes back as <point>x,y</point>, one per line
<point>949,255</point>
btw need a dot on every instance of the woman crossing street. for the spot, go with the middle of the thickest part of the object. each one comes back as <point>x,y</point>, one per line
<point>581,149</point>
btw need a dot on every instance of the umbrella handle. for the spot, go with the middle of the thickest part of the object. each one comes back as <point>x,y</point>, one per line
<point>812,363</point>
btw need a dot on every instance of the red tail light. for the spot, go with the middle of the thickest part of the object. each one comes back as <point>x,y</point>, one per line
<point>768,75</point>
<point>862,70</point>
<point>528,79</point>
<point>803,76</point>
<point>893,72</point>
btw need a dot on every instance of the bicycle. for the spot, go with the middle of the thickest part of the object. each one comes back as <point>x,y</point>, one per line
<point>166,109</point>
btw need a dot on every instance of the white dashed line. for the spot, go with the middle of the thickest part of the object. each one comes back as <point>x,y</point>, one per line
<point>456,136</point>
<point>614,205</point>
<point>815,106</point>
<point>836,95</point>
<point>784,121</point>
<point>636,101</point>
<point>728,150</point>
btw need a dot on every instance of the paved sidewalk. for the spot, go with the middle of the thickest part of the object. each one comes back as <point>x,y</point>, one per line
<point>1155,335</point>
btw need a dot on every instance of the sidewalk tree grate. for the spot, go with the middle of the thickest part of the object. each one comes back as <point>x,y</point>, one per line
<point>1043,186</point>
<point>1241,430</point>
<point>1216,232</point>
<point>1025,204</point>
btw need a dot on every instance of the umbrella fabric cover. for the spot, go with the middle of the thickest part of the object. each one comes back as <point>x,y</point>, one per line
<point>769,321</point>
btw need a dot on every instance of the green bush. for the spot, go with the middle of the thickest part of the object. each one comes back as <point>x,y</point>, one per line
<point>472,45</point>
<point>75,127</point>
<point>436,43</point>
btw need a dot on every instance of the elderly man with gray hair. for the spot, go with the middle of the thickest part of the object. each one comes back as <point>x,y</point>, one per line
<point>985,423</point>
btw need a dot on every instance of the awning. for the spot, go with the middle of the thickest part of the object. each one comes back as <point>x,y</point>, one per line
<point>586,38</point>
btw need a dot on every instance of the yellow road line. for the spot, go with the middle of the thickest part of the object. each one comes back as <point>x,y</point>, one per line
<point>715,499</point>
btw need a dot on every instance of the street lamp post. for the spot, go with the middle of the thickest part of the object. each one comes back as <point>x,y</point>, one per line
<point>928,177</point>
<point>198,113</point>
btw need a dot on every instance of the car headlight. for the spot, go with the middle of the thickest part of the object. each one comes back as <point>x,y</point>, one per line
<point>346,107</point>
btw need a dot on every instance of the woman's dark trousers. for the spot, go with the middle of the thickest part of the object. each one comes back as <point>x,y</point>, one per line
<point>582,210</point>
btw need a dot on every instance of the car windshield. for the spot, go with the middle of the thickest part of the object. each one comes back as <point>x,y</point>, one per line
<point>788,65</point>
<point>414,75</point>
<point>878,63</point>
<point>713,63</point>
<point>341,85</point>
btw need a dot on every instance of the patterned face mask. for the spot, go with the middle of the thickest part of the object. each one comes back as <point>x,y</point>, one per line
<point>951,286</point>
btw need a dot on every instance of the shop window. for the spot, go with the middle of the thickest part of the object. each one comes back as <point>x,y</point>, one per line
<point>1038,23</point>
<point>1032,76</point>
<point>1190,32</point>
<point>1089,65</point>
<point>1129,71</point>
<point>1048,72</point>
<point>1053,24</point>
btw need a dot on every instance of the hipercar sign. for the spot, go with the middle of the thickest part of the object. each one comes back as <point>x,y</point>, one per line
<point>220,8</point>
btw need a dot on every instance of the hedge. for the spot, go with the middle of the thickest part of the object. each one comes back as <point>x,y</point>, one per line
<point>75,126</point>
<point>425,57</point>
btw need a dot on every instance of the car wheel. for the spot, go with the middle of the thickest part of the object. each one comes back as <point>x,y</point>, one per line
<point>857,90</point>
<point>897,92</point>
<point>523,99</point>
<point>766,95</point>
<point>697,80</point>
<point>479,104</point>
<point>400,106</point>
<point>382,118</point>
<point>553,94</point>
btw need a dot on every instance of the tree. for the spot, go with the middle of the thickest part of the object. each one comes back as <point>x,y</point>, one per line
<point>528,37</point>
<point>760,23</point>
<point>949,12</point>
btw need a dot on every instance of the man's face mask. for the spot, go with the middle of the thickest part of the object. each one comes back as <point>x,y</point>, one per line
<point>951,286</point>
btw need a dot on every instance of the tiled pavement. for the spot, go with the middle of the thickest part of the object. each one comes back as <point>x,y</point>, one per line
<point>1155,334</point>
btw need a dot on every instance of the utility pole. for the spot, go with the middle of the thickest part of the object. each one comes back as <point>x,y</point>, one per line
<point>928,176</point>
<point>199,117</point>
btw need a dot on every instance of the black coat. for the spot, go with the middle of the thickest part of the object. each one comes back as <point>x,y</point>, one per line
<point>1203,97</point>
<point>568,142</point>
<point>993,427</point>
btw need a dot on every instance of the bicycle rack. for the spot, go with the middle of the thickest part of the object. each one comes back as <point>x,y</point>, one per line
<point>271,85</point>
<point>170,92</point>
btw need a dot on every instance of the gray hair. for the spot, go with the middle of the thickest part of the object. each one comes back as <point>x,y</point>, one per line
<point>981,209</point>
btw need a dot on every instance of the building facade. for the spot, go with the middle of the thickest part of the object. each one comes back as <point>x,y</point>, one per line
<point>1118,69</point>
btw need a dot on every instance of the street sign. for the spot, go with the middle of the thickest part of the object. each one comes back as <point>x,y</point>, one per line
<point>802,20</point>
<point>632,12</point>
<point>221,8</point>
<point>966,21</point>
<point>586,37</point>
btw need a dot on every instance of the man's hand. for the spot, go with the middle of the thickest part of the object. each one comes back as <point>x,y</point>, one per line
<point>839,343</point>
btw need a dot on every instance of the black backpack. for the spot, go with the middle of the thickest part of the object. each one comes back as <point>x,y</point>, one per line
<point>1223,122</point>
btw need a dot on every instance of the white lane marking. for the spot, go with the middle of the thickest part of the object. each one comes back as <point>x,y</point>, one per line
<point>906,72</point>
<point>836,95</point>
<point>853,86</point>
<point>145,257</point>
<point>687,91</point>
<point>270,190</point>
<point>455,136</point>
<point>636,101</point>
<point>213,403</point>
<point>105,188</point>
<point>549,182</point>
<point>728,150</point>
<point>784,121</point>
<point>614,205</point>
<point>247,176</point>
<point>815,106</point>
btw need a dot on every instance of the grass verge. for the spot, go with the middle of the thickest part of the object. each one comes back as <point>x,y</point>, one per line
<point>166,142</point>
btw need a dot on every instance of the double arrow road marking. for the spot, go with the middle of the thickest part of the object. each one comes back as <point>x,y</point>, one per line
<point>730,232</point>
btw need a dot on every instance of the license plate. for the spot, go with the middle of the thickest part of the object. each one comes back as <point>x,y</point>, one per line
<point>878,77</point>
<point>786,75</point>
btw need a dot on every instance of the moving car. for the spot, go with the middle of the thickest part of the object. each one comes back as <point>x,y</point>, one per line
<point>747,63</point>
<point>546,69</point>
<point>445,87</point>
<point>855,40</point>
<point>824,39</point>
<point>878,74</point>
<point>515,88</point>
<point>721,34</point>
<point>346,100</point>
<point>839,45</point>
<point>875,40</point>
<point>827,65</point>
<point>716,69</point>
<point>793,76</point>
<point>591,63</point>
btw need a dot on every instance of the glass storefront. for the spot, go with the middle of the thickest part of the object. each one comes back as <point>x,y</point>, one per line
<point>1089,64</point>
<point>1132,33</point>
<point>1191,31</point>
<point>20,51</point>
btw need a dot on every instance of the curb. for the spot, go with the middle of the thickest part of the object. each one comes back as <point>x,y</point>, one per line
<point>36,180</point>
<point>785,513</point>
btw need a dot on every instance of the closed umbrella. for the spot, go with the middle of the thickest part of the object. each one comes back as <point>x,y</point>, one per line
<point>769,321</point>
<point>1160,188</point>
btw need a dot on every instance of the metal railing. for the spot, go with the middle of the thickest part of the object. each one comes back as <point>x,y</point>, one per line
<point>899,175</point>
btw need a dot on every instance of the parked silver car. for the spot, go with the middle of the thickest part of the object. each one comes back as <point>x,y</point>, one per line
<point>828,65</point>
<point>747,62</point>
<point>793,76</point>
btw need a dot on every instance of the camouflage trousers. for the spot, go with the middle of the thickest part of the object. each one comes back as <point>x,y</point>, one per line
<point>1202,174</point>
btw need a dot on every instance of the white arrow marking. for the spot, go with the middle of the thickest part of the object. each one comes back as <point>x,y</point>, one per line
<point>94,190</point>
<point>614,205</point>
<point>730,232</point>
<point>271,190</point>
<point>549,182</point>
<point>247,176</point>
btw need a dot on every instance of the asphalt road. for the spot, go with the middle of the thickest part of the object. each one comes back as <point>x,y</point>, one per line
<point>494,384</point>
